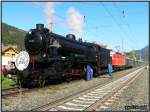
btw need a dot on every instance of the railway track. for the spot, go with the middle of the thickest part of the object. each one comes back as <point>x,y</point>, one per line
<point>93,98</point>
<point>16,90</point>
<point>12,91</point>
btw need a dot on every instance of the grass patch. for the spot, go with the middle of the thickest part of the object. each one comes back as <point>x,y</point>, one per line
<point>8,83</point>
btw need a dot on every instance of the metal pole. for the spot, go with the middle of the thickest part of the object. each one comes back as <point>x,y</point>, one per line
<point>122,47</point>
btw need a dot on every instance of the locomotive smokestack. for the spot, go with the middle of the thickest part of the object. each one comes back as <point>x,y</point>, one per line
<point>39,26</point>
<point>50,25</point>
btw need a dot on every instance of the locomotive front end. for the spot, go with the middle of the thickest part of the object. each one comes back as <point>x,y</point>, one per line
<point>35,40</point>
<point>35,44</point>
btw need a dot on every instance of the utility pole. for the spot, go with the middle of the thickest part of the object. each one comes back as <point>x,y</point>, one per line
<point>122,47</point>
<point>140,56</point>
<point>117,48</point>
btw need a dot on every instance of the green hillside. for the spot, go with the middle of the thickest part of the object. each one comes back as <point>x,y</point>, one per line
<point>12,35</point>
<point>144,53</point>
<point>139,54</point>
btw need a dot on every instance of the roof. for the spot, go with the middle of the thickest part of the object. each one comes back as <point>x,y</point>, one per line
<point>5,48</point>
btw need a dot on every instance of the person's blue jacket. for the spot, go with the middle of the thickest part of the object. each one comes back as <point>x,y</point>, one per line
<point>110,69</point>
<point>89,72</point>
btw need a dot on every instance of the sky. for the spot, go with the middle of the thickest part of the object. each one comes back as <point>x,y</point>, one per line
<point>119,25</point>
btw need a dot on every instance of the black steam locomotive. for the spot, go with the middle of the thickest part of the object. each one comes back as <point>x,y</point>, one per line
<point>55,57</point>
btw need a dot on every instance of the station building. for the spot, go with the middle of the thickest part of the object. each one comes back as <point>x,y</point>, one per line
<point>8,54</point>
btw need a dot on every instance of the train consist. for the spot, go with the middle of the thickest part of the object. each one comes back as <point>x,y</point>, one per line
<point>55,57</point>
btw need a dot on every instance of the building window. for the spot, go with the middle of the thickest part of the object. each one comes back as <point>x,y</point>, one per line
<point>13,55</point>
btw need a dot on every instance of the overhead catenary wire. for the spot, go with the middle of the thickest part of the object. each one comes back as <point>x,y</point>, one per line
<point>126,23</point>
<point>117,23</point>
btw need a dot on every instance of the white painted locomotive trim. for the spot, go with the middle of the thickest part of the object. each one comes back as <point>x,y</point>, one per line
<point>69,108</point>
<point>79,101</point>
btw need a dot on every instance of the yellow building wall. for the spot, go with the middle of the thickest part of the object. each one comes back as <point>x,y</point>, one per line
<point>5,60</point>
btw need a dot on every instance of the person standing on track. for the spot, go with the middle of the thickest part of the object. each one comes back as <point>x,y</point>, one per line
<point>110,70</point>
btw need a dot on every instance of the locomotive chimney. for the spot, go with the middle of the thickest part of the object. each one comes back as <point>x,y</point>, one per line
<point>39,26</point>
<point>50,25</point>
<point>71,36</point>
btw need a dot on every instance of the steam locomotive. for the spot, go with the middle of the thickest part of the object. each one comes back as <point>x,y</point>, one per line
<point>55,57</point>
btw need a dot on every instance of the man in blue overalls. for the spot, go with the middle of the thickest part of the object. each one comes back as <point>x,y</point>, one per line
<point>110,70</point>
<point>89,73</point>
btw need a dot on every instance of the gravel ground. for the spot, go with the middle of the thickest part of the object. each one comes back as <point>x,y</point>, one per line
<point>28,101</point>
<point>136,94</point>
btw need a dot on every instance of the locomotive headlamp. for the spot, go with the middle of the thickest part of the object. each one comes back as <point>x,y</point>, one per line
<point>30,32</point>
<point>44,55</point>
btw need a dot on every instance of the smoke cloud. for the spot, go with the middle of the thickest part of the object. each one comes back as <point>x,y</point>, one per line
<point>49,11</point>
<point>75,21</point>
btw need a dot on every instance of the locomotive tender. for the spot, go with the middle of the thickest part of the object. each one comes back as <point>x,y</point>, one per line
<point>54,57</point>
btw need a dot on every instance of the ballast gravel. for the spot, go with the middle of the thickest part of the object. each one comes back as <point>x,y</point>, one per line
<point>134,97</point>
<point>34,99</point>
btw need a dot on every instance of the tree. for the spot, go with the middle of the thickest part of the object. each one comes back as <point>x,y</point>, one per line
<point>132,55</point>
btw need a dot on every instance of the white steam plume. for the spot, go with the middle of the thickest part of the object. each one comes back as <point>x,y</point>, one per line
<point>75,21</point>
<point>49,11</point>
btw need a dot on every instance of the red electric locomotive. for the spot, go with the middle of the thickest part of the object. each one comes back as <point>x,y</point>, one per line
<point>118,60</point>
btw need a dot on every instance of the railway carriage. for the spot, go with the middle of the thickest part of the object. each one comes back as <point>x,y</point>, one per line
<point>129,63</point>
